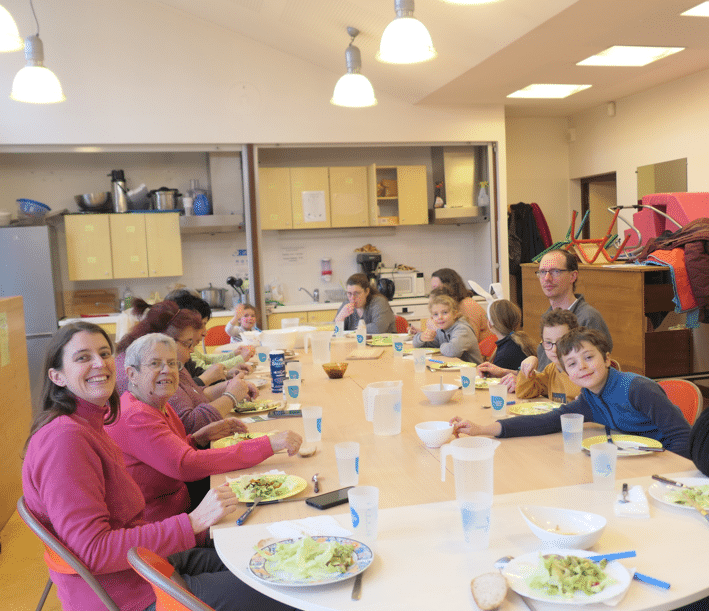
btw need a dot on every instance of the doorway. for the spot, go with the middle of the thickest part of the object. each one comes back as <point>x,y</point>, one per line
<point>598,193</point>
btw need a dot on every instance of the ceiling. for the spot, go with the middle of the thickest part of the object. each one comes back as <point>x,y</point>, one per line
<point>485,51</point>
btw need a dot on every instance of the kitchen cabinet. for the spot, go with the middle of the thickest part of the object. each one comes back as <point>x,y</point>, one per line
<point>401,195</point>
<point>310,197</point>
<point>275,198</point>
<point>349,204</point>
<point>101,246</point>
<point>304,318</point>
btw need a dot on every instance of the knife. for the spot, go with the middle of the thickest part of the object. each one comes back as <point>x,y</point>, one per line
<point>242,518</point>
<point>671,482</point>
<point>357,587</point>
<point>648,449</point>
<point>271,502</point>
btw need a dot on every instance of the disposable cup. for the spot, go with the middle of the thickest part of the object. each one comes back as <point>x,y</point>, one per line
<point>475,515</point>
<point>419,360</point>
<point>398,340</point>
<point>291,389</point>
<point>294,370</point>
<point>347,455</point>
<point>312,423</point>
<point>262,354</point>
<point>364,511</point>
<point>498,400</point>
<point>572,432</point>
<point>603,459</point>
<point>467,379</point>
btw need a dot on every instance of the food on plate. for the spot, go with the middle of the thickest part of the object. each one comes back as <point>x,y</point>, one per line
<point>482,382</point>
<point>231,440</point>
<point>532,409</point>
<point>698,494</point>
<point>265,486</point>
<point>489,590</point>
<point>367,248</point>
<point>404,268</point>
<point>310,559</point>
<point>257,405</point>
<point>381,340</point>
<point>565,575</point>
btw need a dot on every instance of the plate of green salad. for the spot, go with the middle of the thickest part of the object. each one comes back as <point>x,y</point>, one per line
<point>566,577</point>
<point>672,495</point>
<point>311,561</point>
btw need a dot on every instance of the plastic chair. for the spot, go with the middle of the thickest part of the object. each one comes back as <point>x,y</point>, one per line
<point>685,395</point>
<point>402,325</point>
<point>217,336</point>
<point>156,570</point>
<point>59,559</point>
<point>616,365</point>
<point>488,346</point>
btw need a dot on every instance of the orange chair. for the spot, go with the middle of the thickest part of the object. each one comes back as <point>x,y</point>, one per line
<point>217,336</point>
<point>685,395</point>
<point>156,570</point>
<point>402,325</point>
<point>488,346</point>
<point>59,559</point>
<point>616,365</point>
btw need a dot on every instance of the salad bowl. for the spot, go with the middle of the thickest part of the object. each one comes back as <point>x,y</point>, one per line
<point>564,528</point>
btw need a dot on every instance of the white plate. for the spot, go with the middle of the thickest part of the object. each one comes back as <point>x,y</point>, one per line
<point>519,570</point>
<point>259,382</point>
<point>665,492</point>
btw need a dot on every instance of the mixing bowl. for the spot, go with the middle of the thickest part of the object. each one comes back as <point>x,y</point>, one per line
<point>31,207</point>
<point>439,394</point>
<point>434,433</point>
<point>564,528</point>
<point>94,202</point>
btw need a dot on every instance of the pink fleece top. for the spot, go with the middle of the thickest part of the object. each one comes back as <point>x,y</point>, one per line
<point>161,457</point>
<point>75,482</point>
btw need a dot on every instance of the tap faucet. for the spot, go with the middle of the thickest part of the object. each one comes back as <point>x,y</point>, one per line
<point>315,295</point>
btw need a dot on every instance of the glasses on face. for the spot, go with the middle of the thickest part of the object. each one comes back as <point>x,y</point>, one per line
<point>158,365</point>
<point>354,294</point>
<point>548,345</point>
<point>555,273</point>
<point>187,343</point>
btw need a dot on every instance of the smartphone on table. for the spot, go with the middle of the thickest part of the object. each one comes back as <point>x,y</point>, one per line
<point>329,499</point>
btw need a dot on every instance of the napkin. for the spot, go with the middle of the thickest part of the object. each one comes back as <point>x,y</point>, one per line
<point>637,507</point>
<point>612,602</point>
<point>254,475</point>
<point>308,527</point>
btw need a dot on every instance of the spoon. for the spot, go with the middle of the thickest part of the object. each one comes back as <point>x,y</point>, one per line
<point>625,498</point>
<point>316,487</point>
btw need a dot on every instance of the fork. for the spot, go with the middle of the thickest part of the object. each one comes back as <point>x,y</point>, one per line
<point>242,518</point>
<point>609,437</point>
<point>624,493</point>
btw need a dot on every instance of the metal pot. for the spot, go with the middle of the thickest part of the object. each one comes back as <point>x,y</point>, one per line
<point>213,296</point>
<point>164,198</point>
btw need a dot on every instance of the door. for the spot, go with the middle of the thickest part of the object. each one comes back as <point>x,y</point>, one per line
<point>88,250</point>
<point>310,197</point>
<point>275,198</point>
<point>128,247</point>
<point>164,244</point>
<point>349,204</point>
<point>413,194</point>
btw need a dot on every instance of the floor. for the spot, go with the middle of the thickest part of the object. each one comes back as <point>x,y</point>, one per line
<point>23,573</point>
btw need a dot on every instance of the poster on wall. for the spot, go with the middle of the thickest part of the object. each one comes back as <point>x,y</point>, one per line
<point>314,206</point>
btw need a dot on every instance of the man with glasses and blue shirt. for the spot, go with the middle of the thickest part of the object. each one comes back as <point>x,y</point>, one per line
<point>558,272</point>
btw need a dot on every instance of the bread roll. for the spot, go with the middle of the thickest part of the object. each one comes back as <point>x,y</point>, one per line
<point>489,590</point>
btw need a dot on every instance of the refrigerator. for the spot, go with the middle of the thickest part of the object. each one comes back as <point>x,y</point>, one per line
<point>29,266</point>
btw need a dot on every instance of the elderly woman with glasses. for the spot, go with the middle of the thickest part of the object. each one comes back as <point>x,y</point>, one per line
<point>365,302</point>
<point>195,405</point>
<point>159,455</point>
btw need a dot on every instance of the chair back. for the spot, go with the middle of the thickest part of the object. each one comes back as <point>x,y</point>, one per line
<point>402,325</point>
<point>217,336</point>
<point>58,558</point>
<point>488,346</point>
<point>156,570</point>
<point>616,365</point>
<point>685,395</point>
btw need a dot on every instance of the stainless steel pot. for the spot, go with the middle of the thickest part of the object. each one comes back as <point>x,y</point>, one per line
<point>213,296</point>
<point>164,198</point>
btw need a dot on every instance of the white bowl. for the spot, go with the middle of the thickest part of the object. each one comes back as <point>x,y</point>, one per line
<point>278,339</point>
<point>434,433</point>
<point>300,332</point>
<point>437,396</point>
<point>564,528</point>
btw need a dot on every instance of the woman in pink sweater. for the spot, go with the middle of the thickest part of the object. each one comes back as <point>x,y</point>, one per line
<point>159,455</point>
<point>75,482</point>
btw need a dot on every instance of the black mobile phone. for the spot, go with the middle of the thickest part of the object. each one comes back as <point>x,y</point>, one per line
<point>329,499</point>
<point>290,413</point>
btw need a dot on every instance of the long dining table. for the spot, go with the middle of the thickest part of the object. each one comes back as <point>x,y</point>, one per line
<point>420,557</point>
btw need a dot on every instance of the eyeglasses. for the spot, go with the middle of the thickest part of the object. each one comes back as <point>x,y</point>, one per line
<point>354,293</point>
<point>158,365</point>
<point>548,345</point>
<point>189,344</point>
<point>555,273</point>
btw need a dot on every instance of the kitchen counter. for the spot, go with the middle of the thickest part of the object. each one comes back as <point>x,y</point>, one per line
<point>312,306</point>
<point>111,319</point>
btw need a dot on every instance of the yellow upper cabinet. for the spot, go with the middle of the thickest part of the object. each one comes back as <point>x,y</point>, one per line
<point>275,198</point>
<point>348,197</point>
<point>164,244</point>
<point>310,197</point>
<point>413,194</point>
<point>88,241</point>
<point>128,245</point>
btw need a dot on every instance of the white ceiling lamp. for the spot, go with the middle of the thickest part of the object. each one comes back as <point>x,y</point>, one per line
<point>9,36</point>
<point>405,40</point>
<point>35,83</point>
<point>353,89</point>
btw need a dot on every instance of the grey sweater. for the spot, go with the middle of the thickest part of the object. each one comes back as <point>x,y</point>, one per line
<point>378,315</point>
<point>458,340</point>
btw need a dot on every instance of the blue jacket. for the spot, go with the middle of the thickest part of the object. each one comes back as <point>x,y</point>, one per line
<point>629,403</point>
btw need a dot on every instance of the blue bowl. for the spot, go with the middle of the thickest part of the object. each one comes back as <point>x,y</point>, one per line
<point>30,207</point>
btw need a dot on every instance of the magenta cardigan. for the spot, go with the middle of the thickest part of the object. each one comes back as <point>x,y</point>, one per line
<point>75,482</point>
<point>161,457</point>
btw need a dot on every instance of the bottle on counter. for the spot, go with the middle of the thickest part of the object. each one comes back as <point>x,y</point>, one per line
<point>361,333</point>
<point>126,299</point>
<point>200,201</point>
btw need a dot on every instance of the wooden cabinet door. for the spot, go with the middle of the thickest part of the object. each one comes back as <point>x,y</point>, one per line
<point>321,316</point>
<point>310,197</point>
<point>274,320</point>
<point>349,202</point>
<point>128,247</point>
<point>275,198</point>
<point>164,244</point>
<point>413,194</point>
<point>88,247</point>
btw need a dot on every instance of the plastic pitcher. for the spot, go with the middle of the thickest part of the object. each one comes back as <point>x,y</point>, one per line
<point>320,341</point>
<point>369,392</point>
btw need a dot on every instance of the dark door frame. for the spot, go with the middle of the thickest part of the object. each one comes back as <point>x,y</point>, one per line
<point>585,198</point>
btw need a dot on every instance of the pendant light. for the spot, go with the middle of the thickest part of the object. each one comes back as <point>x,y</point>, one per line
<point>35,83</point>
<point>9,36</point>
<point>405,40</point>
<point>353,89</point>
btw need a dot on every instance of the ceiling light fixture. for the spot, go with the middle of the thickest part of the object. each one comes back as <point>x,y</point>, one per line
<point>629,56</point>
<point>405,40</point>
<point>353,89</point>
<point>701,10</point>
<point>548,91</point>
<point>34,83</point>
<point>9,36</point>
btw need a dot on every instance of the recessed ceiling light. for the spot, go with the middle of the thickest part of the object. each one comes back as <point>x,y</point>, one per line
<point>701,10</point>
<point>548,91</point>
<point>629,56</point>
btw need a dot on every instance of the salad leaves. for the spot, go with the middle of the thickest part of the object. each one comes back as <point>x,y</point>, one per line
<point>565,575</point>
<point>310,559</point>
<point>698,494</point>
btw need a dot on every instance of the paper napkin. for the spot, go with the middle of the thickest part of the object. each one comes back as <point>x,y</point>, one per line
<point>637,507</point>
<point>308,527</point>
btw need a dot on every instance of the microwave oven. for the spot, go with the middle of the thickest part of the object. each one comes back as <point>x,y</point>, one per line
<point>406,284</point>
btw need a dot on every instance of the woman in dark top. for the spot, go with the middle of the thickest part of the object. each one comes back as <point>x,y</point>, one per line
<point>513,344</point>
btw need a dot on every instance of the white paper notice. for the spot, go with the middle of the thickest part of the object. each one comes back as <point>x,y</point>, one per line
<point>313,206</point>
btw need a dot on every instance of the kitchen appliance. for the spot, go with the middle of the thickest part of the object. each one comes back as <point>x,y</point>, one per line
<point>370,262</point>
<point>164,198</point>
<point>29,267</point>
<point>213,296</point>
<point>120,195</point>
<point>406,283</point>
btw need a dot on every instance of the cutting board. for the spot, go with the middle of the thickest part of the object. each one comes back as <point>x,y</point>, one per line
<point>365,353</point>
<point>92,302</point>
